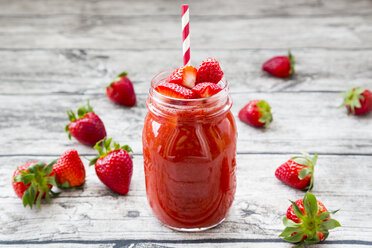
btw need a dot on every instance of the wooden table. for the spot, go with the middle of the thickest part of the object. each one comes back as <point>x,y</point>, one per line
<point>57,54</point>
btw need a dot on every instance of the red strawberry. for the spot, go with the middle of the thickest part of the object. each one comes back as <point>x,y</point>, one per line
<point>176,76</point>
<point>88,129</point>
<point>175,91</point>
<point>206,89</point>
<point>114,167</point>
<point>298,172</point>
<point>121,91</point>
<point>358,101</point>
<point>33,181</point>
<point>307,222</point>
<point>256,113</point>
<point>69,169</point>
<point>209,71</point>
<point>281,66</point>
<point>189,76</point>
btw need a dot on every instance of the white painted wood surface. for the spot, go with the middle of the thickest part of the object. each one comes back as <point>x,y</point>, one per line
<point>57,54</point>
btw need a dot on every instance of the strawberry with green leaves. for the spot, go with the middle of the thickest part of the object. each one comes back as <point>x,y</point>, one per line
<point>256,113</point>
<point>298,172</point>
<point>33,181</point>
<point>121,90</point>
<point>88,128</point>
<point>307,222</point>
<point>114,166</point>
<point>280,66</point>
<point>358,101</point>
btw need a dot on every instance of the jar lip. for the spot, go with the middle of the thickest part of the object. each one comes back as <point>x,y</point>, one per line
<point>160,77</point>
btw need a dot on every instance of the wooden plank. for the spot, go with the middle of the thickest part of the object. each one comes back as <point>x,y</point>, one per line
<point>160,32</point>
<point>302,122</point>
<point>61,244</point>
<point>89,71</point>
<point>178,244</point>
<point>165,7</point>
<point>96,214</point>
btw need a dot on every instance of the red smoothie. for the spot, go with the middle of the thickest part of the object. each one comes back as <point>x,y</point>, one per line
<point>189,151</point>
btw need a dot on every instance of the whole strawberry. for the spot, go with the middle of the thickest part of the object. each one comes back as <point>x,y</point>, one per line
<point>256,113</point>
<point>298,172</point>
<point>114,167</point>
<point>308,222</point>
<point>88,129</point>
<point>280,66</point>
<point>358,101</point>
<point>69,169</point>
<point>209,71</point>
<point>33,181</point>
<point>121,91</point>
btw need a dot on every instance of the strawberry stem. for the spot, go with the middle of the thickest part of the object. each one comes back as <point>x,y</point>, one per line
<point>104,147</point>
<point>292,62</point>
<point>352,99</point>
<point>39,177</point>
<point>123,74</point>
<point>310,162</point>
<point>265,109</point>
<point>311,223</point>
<point>82,111</point>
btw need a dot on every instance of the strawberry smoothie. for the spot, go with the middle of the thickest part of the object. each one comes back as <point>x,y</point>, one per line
<point>189,148</point>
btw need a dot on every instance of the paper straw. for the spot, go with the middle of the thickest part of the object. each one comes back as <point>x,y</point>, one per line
<point>185,34</point>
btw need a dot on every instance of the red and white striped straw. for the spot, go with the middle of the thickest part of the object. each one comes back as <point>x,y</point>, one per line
<point>185,34</point>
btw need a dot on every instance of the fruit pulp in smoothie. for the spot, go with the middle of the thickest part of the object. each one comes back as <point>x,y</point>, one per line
<point>190,167</point>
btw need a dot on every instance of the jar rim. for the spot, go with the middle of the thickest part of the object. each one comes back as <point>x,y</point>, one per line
<point>162,76</point>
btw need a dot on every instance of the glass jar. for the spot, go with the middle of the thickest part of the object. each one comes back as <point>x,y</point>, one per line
<point>189,148</point>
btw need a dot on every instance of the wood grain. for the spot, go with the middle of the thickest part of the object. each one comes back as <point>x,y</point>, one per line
<point>252,8</point>
<point>163,32</point>
<point>87,72</point>
<point>82,214</point>
<point>37,124</point>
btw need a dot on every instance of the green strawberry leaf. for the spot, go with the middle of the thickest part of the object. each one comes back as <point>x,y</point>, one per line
<point>26,179</point>
<point>104,147</point>
<point>52,181</point>
<point>304,173</point>
<point>38,200</point>
<point>330,224</point>
<point>116,146</point>
<point>289,223</point>
<point>323,216</point>
<point>289,230</point>
<point>82,111</point>
<point>65,185</point>
<point>310,162</point>
<point>38,179</point>
<point>297,210</point>
<point>48,169</point>
<point>352,99</point>
<point>310,204</point>
<point>123,74</point>
<point>292,62</point>
<point>295,238</point>
<point>265,110</point>
<point>93,161</point>
<point>301,160</point>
